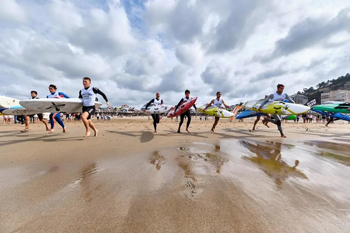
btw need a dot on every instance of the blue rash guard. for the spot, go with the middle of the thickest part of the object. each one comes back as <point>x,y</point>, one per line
<point>56,115</point>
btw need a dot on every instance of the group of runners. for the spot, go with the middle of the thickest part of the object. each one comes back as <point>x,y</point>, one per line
<point>88,96</point>
<point>219,102</point>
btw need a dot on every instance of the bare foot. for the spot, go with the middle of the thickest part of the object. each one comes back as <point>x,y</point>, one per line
<point>47,129</point>
<point>178,131</point>
<point>25,130</point>
<point>187,131</point>
<point>95,135</point>
<point>155,131</point>
<point>51,130</point>
<point>212,129</point>
<point>64,130</point>
<point>87,134</point>
<point>283,136</point>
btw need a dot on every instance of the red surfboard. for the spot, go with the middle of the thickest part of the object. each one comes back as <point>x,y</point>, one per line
<point>182,108</point>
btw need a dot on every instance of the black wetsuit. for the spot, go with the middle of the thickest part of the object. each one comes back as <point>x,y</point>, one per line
<point>154,116</point>
<point>187,113</point>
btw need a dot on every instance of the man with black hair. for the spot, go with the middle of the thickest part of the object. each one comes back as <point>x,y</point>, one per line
<point>88,94</point>
<point>34,95</point>
<point>187,113</point>
<point>277,96</point>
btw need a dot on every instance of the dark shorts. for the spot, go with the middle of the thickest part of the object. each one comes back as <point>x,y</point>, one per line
<point>40,116</point>
<point>90,110</point>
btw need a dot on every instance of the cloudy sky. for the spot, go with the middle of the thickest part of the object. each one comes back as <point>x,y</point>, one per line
<point>132,49</point>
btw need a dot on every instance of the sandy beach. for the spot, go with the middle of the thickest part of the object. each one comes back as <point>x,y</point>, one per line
<point>130,179</point>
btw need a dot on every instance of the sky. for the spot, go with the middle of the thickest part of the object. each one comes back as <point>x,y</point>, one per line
<point>132,49</point>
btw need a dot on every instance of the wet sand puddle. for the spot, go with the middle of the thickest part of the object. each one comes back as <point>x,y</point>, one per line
<point>232,185</point>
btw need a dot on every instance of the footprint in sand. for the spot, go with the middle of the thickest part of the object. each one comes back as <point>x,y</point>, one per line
<point>157,160</point>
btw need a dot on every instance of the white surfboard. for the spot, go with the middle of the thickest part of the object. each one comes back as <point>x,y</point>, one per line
<point>55,105</point>
<point>276,107</point>
<point>6,102</point>
<point>154,109</point>
<point>18,111</point>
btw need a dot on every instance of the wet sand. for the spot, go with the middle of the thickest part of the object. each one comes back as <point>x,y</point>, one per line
<point>131,180</point>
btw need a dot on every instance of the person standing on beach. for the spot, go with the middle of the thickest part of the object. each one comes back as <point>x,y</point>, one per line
<point>88,95</point>
<point>216,103</point>
<point>277,96</point>
<point>55,115</point>
<point>187,113</point>
<point>156,101</point>
<point>34,95</point>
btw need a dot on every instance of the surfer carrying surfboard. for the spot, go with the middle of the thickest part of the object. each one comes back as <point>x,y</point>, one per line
<point>34,95</point>
<point>56,115</point>
<point>187,113</point>
<point>277,96</point>
<point>216,103</point>
<point>265,122</point>
<point>155,117</point>
<point>88,95</point>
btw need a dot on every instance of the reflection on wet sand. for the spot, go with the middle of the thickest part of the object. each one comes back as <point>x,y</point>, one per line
<point>187,187</point>
<point>269,158</point>
<point>338,152</point>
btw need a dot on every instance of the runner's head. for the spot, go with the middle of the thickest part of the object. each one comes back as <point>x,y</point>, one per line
<point>218,94</point>
<point>52,88</point>
<point>34,94</point>
<point>86,82</point>
<point>280,88</point>
<point>187,93</point>
<point>157,95</point>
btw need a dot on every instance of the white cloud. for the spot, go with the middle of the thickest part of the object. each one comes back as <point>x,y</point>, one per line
<point>11,11</point>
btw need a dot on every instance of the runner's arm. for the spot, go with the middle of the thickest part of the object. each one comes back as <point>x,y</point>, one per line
<point>149,103</point>
<point>98,91</point>
<point>289,99</point>
<point>62,94</point>
<point>225,104</point>
<point>211,102</point>
<point>178,105</point>
<point>266,100</point>
<point>80,96</point>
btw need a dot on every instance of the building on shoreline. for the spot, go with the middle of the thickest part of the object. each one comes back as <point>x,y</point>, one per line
<point>300,98</point>
<point>338,95</point>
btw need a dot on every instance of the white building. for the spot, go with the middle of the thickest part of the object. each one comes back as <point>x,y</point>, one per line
<point>338,95</point>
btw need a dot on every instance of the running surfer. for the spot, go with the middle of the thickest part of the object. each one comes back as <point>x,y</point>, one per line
<point>88,95</point>
<point>218,102</point>
<point>56,115</point>
<point>265,122</point>
<point>187,113</point>
<point>277,96</point>
<point>156,101</point>
<point>34,95</point>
